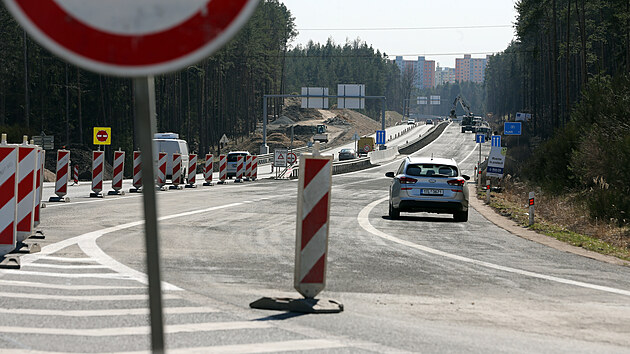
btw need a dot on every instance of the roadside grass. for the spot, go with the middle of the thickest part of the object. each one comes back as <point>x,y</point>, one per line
<point>561,217</point>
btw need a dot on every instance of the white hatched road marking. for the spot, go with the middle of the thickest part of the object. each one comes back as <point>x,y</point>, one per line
<point>67,266</point>
<point>108,312</point>
<point>269,347</point>
<point>69,259</point>
<point>83,297</point>
<point>64,287</point>
<point>67,275</point>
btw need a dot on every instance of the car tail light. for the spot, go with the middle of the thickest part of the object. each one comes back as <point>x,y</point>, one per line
<point>407,180</point>
<point>456,182</point>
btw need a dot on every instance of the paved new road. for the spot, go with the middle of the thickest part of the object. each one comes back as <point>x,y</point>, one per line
<point>423,283</point>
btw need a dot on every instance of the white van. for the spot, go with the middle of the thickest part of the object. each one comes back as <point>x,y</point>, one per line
<point>170,143</point>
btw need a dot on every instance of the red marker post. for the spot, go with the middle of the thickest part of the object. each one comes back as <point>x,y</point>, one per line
<point>531,208</point>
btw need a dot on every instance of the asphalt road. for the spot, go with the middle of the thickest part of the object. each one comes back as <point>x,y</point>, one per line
<point>423,283</point>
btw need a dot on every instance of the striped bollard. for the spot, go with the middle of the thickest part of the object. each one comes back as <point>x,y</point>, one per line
<point>208,170</point>
<point>222,169</point>
<point>240,166</point>
<point>254,174</point>
<point>137,173</point>
<point>531,208</point>
<point>27,170</point>
<point>119,168</point>
<point>75,175</point>
<point>161,171</point>
<point>8,201</point>
<point>176,172</point>
<point>61,181</point>
<point>248,167</point>
<point>39,183</point>
<point>192,171</point>
<point>98,164</point>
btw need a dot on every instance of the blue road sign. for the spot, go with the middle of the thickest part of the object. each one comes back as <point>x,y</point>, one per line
<point>512,128</point>
<point>480,138</point>
<point>496,140</point>
<point>380,137</point>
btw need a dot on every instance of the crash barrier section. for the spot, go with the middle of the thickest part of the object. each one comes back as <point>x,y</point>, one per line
<point>383,155</point>
<point>248,167</point>
<point>161,171</point>
<point>313,214</point>
<point>8,196</point>
<point>119,168</point>
<point>27,170</point>
<point>254,173</point>
<point>137,173</point>
<point>222,168</point>
<point>208,169</point>
<point>98,166</point>
<point>75,174</point>
<point>423,141</point>
<point>39,184</point>
<point>240,167</point>
<point>176,177</point>
<point>61,182</point>
<point>192,171</point>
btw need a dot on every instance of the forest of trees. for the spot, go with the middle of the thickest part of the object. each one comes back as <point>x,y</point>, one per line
<point>569,68</point>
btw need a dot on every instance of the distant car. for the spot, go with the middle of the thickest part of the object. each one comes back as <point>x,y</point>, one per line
<point>425,184</point>
<point>347,154</point>
<point>411,121</point>
<point>429,122</point>
<point>232,160</point>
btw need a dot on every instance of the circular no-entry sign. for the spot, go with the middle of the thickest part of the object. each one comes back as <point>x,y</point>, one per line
<point>132,38</point>
<point>291,158</point>
<point>102,136</point>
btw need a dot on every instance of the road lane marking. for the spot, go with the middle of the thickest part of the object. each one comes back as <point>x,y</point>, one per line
<point>64,287</point>
<point>267,347</point>
<point>67,266</point>
<point>134,331</point>
<point>108,312</point>
<point>83,297</point>
<point>364,222</point>
<point>69,259</point>
<point>21,272</point>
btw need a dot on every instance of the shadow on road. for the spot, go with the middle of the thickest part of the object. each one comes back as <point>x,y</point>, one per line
<point>420,218</point>
<point>281,316</point>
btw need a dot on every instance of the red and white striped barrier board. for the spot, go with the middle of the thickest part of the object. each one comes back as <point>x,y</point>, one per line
<point>176,178</point>
<point>39,183</point>
<point>98,165</point>
<point>222,168</point>
<point>192,171</point>
<point>75,174</point>
<point>248,167</point>
<point>8,197</point>
<point>119,168</point>
<point>137,172</point>
<point>313,215</point>
<point>240,167</point>
<point>208,170</point>
<point>254,173</point>
<point>61,183</point>
<point>161,172</point>
<point>27,170</point>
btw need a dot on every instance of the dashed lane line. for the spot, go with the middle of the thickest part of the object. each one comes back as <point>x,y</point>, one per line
<point>108,312</point>
<point>364,222</point>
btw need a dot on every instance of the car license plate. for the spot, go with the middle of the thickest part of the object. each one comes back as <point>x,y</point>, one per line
<point>431,192</point>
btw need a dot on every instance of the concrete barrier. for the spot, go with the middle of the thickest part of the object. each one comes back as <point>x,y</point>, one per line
<point>423,141</point>
<point>383,155</point>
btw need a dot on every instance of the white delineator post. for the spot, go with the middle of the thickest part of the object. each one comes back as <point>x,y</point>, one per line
<point>208,170</point>
<point>119,168</point>
<point>137,173</point>
<point>8,196</point>
<point>254,174</point>
<point>313,215</point>
<point>240,161</point>
<point>488,191</point>
<point>161,170</point>
<point>27,169</point>
<point>61,177</point>
<point>222,168</point>
<point>176,177</point>
<point>192,171</point>
<point>531,208</point>
<point>98,165</point>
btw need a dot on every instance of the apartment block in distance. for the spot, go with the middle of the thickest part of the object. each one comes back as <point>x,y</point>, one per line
<point>470,69</point>
<point>423,70</point>
<point>444,75</point>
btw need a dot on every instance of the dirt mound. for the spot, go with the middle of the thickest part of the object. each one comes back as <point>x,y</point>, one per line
<point>337,120</point>
<point>283,120</point>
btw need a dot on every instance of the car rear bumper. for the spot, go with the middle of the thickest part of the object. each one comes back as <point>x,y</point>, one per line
<point>440,207</point>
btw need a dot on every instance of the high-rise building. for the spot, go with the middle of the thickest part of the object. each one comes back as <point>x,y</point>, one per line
<point>444,75</point>
<point>423,71</point>
<point>470,69</point>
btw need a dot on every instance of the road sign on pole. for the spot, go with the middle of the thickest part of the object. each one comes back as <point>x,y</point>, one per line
<point>512,128</point>
<point>102,136</point>
<point>480,138</point>
<point>495,141</point>
<point>380,137</point>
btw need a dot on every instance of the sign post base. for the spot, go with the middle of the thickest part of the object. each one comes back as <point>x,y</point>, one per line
<point>301,305</point>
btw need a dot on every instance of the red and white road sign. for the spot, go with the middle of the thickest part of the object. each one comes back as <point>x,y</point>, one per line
<point>75,174</point>
<point>248,167</point>
<point>291,158</point>
<point>240,166</point>
<point>192,169</point>
<point>254,174</point>
<point>161,172</point>
<point>61,183</point>
<point>222,168</point>
<point>102,136</point>
<point>27,169</point>
<point>137,170</point>
<point>366,148</point>
<point>119,167</point>
<point>132,38</point>
<point>176,177</point>
<point>98,165</point>
<point>208,169</point>
<point>8,197</point>
<point>313,214</point>
<point>39,184</point>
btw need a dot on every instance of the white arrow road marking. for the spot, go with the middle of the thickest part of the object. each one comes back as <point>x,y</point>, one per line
<point>364,221</point>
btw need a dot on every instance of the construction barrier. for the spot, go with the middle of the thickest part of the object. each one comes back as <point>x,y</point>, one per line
<point>8,196</point>
<point>222,169</point>
<point>240,167</point>
<point>161,172</point>
<point>39,183</point>
<point>27,170</point>
<point>119,168</point>
<point>254,173</point>
<point>208,170</point>
<point>248,167</point>
<point>137,173</point>
<point>75,174</point>
<point>192,171</point>
<point>313,214</point>
<point>61,182</point>
<point>98,166</point>
<point>176,177</point>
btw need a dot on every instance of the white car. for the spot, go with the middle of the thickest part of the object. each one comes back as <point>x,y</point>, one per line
<point>232,158</point>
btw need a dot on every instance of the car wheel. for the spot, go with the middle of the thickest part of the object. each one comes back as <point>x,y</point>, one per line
<point>461,216</point>
<point>394,213</point>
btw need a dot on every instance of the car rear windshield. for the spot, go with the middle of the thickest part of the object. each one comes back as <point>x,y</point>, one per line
<point>427,170</point>
<point>234,157</point>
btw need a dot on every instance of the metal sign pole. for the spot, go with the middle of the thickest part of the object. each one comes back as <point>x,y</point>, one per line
<point>144,94</point>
